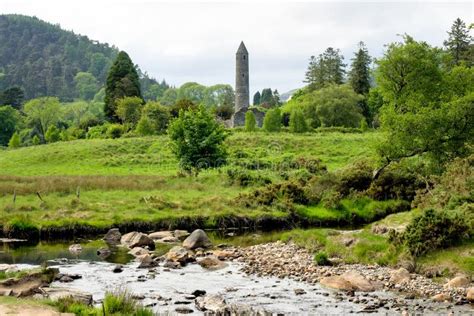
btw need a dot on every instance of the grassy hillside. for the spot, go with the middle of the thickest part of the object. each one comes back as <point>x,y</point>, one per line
<point>137,179</point>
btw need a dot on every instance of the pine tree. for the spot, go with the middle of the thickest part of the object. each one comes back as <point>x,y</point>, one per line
<point>298,122</point>
<point>459,42</point>
<point>326,69</point>
<point>256,98</point>
<point>266,97</point>
<point>122,81</point>
<point>250,122</point>
<point>359,75</point>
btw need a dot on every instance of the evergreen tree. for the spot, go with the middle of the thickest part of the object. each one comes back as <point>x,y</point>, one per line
<point>359,75</point>
<point>122,81</point>
<point>459,43</point>
<point>326,69</point>
<point>267,97</point>
<point>298,122</point>
<point>250,122</point>
<point>15,141</point>
<point>256,98</point>
<point>12,96</point>
<point>276,98</point>
<point>272,120</point>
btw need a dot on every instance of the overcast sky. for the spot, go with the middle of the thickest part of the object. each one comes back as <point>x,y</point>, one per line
<point>184,41</point>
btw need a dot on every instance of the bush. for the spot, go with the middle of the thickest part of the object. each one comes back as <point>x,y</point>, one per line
<point>245,178</point>
<point>15,141</point>
<point>129,109</point>
<point>158,116</point>
<point>250,122</point>
<point>115,131</point>
<point>297,122</point>
<point>272,120</point>
<point>321,259</point>
<point>53,134</point>
<point>95,132</point>
<point>145,127</point>
<point>434,230</point>
<point>286,192</point>
<point>198,140</point>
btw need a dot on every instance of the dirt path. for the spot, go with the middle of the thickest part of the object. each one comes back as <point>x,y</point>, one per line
<point>9,309</point>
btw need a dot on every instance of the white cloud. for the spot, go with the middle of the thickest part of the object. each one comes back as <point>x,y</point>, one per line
<point>189,41</point>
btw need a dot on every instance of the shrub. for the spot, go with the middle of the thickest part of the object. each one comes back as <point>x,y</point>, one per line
<point>145,127</point>
<point>321,259</point>
<point>53,134</point>
<point>129,109</point>
<point>433,230</point>
<point>115,131</point>
<point>35,141</point>
<point>250,122</point>
<point>198,140</point>
<point>272,120</point>
<point>356,177</point>
<point>95,132</point>
<point>287,192</point>
<point>244,178</point>
<point>297,122</point>
<point>15,141</point>
<point>158,116</point>
<point>363,125</point>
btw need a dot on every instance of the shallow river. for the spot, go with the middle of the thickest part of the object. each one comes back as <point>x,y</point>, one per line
<point>165,290</point>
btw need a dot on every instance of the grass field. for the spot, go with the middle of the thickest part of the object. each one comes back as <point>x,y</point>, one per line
<point>102,182</point>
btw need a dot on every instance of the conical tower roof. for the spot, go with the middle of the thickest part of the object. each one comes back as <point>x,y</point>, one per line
<point>242,49</point>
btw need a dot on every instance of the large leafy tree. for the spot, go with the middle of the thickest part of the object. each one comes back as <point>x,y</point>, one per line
<point>459,43</point>
<point>9,120</point>
<point>427,110</point>
<point>42,113</point>
<point>86,85</point>
<point>122,81</point>
<point>197,140</point>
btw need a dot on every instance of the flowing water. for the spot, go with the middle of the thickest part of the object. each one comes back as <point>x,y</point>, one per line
<point>164,290</point>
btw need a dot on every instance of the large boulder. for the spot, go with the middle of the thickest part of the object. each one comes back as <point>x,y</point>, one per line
<point>136,239</point>
<point>75,249</point>
<point>400,276</point>
<point>113,236</point>
<point>211,263</point>
<point>359,282</point>
<point>178,254</point>
<point>55,294</point>
<point>211,303</point>
<point>459,281</point>
<point>337,282</point>
<point>197,239</point>
<point>138,252</point>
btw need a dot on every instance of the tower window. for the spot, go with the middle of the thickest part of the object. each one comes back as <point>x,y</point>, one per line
<point>244,57</point>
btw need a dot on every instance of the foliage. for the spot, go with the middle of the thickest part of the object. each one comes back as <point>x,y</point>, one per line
<point>419,115</point>
<point>297,121</point>
<point>42,113</point>
<point>14,141</point>
<point>158,116</point>
<point>433,230</point>
<point>272,120</point>
<point>86,85</point>
<point>459,43</point>
<point>53,134</point>
<point>145,127</point>
<point>321,259</point>
<point>250,122</point>
<point>326,69</point>
<point>256,98</point>
<point>129,110</point>
<point>197,140</point>
<point>122,81</point>
<point>115,131</point>
<point>13,96</point>
<point>182,105</point>
<point>267,98</point>
<point>9,120</point>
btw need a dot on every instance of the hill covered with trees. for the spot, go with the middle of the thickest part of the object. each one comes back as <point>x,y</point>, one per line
<point>45,60</point>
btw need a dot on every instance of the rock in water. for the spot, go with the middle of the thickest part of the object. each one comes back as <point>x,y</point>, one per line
<point>359,282</point>
<point>146,261</point>
<point>138,252</point>
<point>399,276</point>
<point>103,252</point>
<point>212,303</point>
<point>183,310</point>
<point>55,294</point>
<point>459,281</point>
<point>197,239</point>
<point>336,282</point>
<point>75,249</point>
<point>118,269</point>
<point>211,263</point>
<point>181,234</point>
<point>113,236</point>
<point>441,297</point>
<point>136,239</point>
<point>178,254</point>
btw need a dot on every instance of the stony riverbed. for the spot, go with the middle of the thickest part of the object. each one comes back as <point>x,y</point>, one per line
<point>268,278</point>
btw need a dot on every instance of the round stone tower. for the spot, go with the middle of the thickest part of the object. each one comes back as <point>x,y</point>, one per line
<point>242,95</point>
